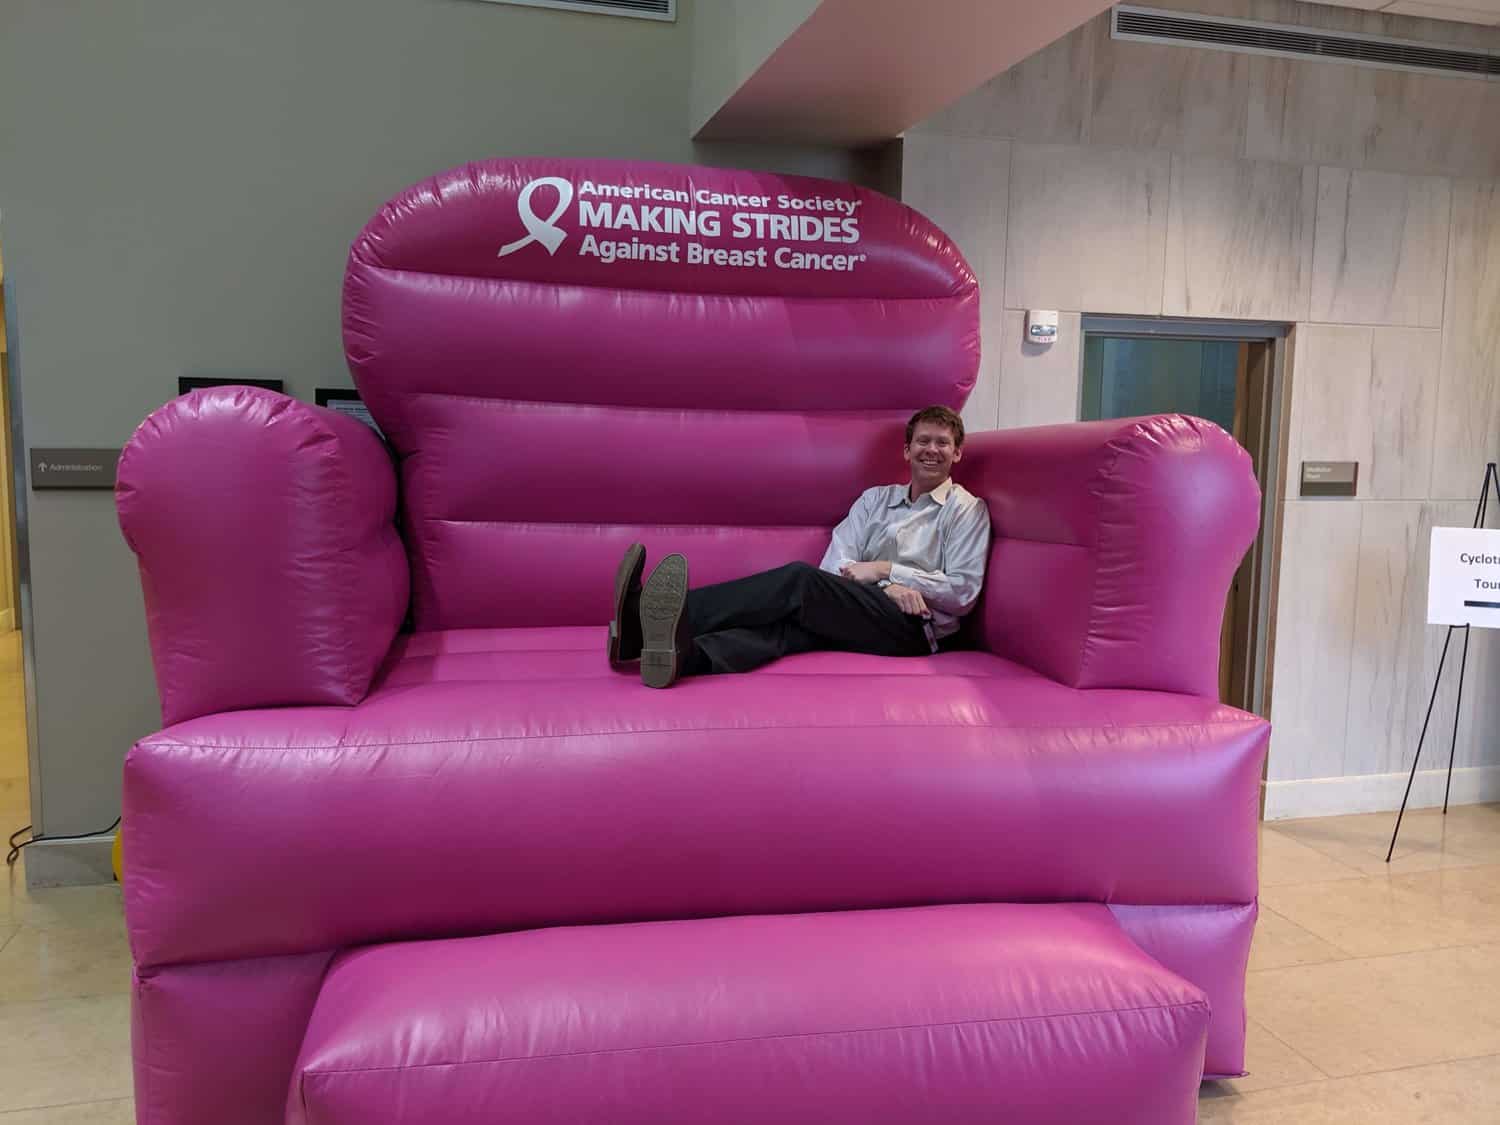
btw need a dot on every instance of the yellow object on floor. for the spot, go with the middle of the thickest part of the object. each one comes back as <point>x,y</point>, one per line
<point>117,853</point>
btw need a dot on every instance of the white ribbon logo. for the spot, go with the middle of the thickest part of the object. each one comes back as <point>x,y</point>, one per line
<point>538,229</point>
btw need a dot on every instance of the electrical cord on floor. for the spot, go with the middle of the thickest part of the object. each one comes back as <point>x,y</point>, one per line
<point>10,856</point>
<point>16,849</point>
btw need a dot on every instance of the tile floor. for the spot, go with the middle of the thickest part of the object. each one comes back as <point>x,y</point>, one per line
<point>1374,992</point>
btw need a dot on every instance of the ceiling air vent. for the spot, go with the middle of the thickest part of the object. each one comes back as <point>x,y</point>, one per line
<point>638,9</point>
<point>1153,25</point>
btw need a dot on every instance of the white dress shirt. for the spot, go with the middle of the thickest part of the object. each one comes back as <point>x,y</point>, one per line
<point>937,544</point>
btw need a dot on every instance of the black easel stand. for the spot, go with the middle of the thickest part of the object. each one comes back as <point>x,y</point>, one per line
<point>1491,474</point>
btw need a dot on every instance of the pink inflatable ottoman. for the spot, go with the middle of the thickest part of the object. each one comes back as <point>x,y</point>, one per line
<point>406,850</point>
<point>940,1014</point>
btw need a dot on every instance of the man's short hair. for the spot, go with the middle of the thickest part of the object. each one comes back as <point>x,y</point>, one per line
<point>941,416</point>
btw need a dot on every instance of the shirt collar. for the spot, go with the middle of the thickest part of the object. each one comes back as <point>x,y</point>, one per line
<point>939,494</point>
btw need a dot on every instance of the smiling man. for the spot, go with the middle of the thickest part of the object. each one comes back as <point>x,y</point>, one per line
<point>904,566</point>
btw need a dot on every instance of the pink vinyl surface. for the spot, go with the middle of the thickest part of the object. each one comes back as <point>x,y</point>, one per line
<point>327,781</point>
<point>1210,946</point>
<point>548,406</point>
<point>271,568</point>
<point>958,1015</point>
<point>179,1013</point>
<point>544,789</point>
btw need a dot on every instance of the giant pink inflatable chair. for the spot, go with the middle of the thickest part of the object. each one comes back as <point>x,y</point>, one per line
<point>408,852</point>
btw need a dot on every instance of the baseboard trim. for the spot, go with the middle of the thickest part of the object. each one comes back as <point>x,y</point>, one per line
<point>70,863</point>
<point>1378,792</point>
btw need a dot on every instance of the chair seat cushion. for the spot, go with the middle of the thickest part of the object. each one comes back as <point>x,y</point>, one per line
<point>1025,1014</point>
<point>503,780</point>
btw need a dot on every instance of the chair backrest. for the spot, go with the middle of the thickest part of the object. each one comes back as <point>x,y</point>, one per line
<point>570,355</point>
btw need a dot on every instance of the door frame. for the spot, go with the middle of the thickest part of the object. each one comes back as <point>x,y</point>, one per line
<point>21,558</point>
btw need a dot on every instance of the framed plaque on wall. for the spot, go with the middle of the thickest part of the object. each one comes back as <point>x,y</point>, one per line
<point>186,383</point>
<point>345,402</point>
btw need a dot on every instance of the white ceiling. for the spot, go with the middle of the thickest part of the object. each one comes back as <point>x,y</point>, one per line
<point>1485,12</point>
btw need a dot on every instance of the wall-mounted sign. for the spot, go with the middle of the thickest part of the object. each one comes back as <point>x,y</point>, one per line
<point>186,383</point>
<point>345,402</point>
<point>1463,577</point>
<point>73,468</point>
<point>1330,478</point>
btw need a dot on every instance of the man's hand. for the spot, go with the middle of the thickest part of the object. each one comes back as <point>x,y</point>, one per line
<point>866,572</point>
<point>908,599</point>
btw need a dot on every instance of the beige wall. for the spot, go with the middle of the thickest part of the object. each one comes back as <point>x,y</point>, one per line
<point>1361,205</point>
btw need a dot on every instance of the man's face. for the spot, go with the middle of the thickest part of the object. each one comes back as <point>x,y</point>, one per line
<point>931,454</point>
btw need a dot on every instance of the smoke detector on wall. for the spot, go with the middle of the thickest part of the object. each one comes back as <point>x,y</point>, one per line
<point>636,9</point>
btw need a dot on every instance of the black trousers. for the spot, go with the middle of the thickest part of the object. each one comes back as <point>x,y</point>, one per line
<point>748,622</point>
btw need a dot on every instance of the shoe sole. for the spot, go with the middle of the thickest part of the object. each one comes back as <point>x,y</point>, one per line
<point>663,609</point>
<point>627,578</point>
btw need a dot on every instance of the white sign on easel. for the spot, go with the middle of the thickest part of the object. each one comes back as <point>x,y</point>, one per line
<point>1463,577</point>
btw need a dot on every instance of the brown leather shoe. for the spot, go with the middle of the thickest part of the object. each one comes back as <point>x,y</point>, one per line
<point>624,646</point>
<point>665,635</point>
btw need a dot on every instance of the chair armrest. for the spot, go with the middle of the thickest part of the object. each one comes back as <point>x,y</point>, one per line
<point>1114,546</point>
<point>265,531</point>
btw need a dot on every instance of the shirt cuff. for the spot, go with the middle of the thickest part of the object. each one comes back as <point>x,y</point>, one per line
<point>901,574</point>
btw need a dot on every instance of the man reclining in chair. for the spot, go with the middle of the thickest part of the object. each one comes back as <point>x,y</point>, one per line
<point>905,564</point>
